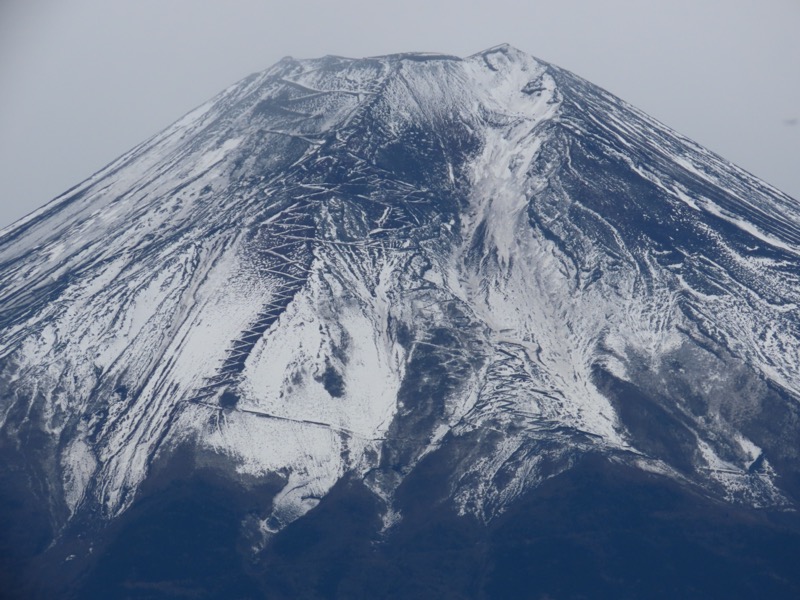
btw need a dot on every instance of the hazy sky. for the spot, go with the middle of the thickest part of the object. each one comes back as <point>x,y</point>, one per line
<point>82,81</point>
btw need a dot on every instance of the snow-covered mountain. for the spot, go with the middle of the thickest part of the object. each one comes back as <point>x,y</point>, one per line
<point>337,268</point>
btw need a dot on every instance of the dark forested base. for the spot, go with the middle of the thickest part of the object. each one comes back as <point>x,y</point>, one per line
<point>24,529</point>
<point>598,531</point>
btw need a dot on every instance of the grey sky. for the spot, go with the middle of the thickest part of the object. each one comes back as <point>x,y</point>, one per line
<point>82,81</point>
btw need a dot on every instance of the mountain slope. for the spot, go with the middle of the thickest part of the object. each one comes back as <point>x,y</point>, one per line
<point>338,269</point>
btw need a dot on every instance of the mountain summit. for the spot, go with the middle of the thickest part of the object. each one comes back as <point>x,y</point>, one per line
<point>427,288</point>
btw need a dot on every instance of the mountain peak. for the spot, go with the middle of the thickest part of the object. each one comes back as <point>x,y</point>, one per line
<point>341,270</point>
<point>505,48</point>
<point>508,50</point>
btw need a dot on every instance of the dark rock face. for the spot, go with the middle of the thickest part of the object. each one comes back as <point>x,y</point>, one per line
<point>406,326</point>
